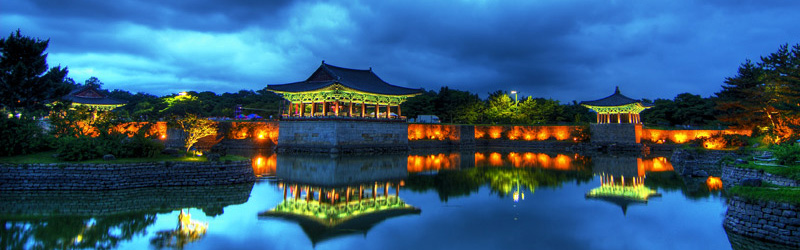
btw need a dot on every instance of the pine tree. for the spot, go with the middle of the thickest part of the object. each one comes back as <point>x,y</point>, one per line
<point>26,84</point>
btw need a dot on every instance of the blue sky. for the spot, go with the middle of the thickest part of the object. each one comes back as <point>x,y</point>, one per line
<point>560,49</point>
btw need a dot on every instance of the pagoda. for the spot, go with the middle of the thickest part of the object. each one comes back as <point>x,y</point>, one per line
<point>333,91</point>
<point>625,108</point>
<point>90,96</point>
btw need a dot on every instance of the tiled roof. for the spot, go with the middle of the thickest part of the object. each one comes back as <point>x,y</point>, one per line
<point>90,95</point>
<point>358,79</point>
<point>615,99</point>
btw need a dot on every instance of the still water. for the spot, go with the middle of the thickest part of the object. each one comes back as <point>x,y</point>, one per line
<point>452,200</point>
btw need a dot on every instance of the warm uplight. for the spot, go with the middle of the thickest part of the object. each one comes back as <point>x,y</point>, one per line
<point>432,132</point>
<point>183,93</point>
<point>525,160</point>
<point>714,143</point>
<point>163,137</point>
<point>528,133</point>
<point>434,162</point>
<point>683,136</point>
<point>714,183</point>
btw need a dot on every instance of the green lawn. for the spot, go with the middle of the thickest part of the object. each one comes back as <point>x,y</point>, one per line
<point>47,157</point>
<point>768,193</point>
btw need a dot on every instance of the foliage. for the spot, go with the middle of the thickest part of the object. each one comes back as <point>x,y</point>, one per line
<point>195,128</point>
<point>684,109</point>
<point>787,154</point>
<point>21,136</point>
<point>764,95</point>
<point>26,84</point>
<point>81,148</point>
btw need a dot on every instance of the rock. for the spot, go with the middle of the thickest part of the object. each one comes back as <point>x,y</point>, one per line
<point>751,182</point>
<point>109,157</point>
<point>212,157</point>
<point>700,173</point>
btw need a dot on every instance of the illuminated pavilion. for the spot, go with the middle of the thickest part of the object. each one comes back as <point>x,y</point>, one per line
<point>92,97</point>
<point>337,91</point>
<point>625,108</point>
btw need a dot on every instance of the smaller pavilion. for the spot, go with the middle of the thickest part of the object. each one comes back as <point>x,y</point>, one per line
<point>92,97</point>
<point>337,91</point>
<point>625,108</point>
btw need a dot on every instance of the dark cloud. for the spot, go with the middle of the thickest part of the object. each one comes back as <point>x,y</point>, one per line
<point>567,50</point>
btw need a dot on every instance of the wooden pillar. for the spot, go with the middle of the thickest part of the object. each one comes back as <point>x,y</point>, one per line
<point>385,190</point>
<point>398,111</point>
<point>284,191</point>
<point>350,114</point>
<point>377,109</point>
<point>336,105</point>
<point>388,111</point>
<point>324,108</point>
<point>598,117</point>
<point>619,117</point>
<point>302,109</point>
<point>363,108</point>
<point>397,190</point>
<point>347,196</point>
<point>313,106</point>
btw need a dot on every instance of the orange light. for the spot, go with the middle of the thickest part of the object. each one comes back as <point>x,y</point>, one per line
<point>163,137</point>
<point>714,183</point>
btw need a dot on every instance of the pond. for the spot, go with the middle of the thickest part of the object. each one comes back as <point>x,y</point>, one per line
<point>425,200</point>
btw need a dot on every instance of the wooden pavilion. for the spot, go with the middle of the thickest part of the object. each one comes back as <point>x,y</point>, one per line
<point>626,109</point>
<point>337,91</point>
<point>92,97</point>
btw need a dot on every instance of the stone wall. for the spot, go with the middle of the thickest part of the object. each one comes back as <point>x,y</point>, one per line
<point>732,175</point>
<point>122,176</point>
<point>212,199</point>
<point>764,220</point>
<point>342,136</point>
<point>616,133</point>
<point>700,163</point>
<point>441,136</point>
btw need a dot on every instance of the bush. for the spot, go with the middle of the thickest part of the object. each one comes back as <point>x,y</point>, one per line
<point>22,136</point>
<point>787,154</point>
<point>79,148</point>
<point>141,146</point>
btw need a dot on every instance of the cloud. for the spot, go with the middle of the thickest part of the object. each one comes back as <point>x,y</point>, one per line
<point>567,50</point>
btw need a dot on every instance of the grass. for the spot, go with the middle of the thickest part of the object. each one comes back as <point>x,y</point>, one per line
<point>47,157</point>
<point>768,193</point>
<point>792,172</point>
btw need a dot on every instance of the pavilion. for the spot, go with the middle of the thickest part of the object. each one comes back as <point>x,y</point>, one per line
<point>617,104</point>
<point>92,97</point>
<point>337,91</point>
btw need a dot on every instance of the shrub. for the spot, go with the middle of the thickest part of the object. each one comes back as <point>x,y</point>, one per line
<point>22,136</point>
<point>141,146</point>
<point>79,148</point>
<point>787,154</point>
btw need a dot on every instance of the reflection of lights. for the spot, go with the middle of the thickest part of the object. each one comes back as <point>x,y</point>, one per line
<point>714,183</point>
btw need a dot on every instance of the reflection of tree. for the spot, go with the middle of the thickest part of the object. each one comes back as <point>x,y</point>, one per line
<point>187,231</point>
<point>70,232</point>
<point>502,181</point>
<point>692,188</point>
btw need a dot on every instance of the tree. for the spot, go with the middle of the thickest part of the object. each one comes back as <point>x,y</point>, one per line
<point>196,128</point>
<point>500,108</point>
<point>765,95</point>
<point>25,81</point>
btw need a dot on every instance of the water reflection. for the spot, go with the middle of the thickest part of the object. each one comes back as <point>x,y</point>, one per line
<point>100,219</point>
<point>331,197</point>
<point>187,231</point>
<point>622,180</point>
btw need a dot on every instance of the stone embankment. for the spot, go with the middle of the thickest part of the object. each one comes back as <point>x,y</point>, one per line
<point>732,175</point>
<point>764,220</point>
<point>122,176</point>
<point>211,199</point>
<point>699,163</point>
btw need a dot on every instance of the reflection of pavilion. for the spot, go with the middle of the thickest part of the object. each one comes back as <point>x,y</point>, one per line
<point>330,197</point>
<point>622,181</point>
